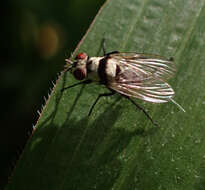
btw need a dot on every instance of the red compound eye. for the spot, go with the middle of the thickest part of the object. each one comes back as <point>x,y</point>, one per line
<point>79,74</point>
<point>81,56</point>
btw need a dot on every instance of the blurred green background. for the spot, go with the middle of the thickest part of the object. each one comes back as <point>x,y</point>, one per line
<point>36,37</point>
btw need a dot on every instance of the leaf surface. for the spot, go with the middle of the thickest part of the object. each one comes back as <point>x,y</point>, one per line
<point>117,147</point>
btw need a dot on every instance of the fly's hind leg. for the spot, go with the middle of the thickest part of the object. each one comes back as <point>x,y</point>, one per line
<point>142,109</point>
<point>98,98</point>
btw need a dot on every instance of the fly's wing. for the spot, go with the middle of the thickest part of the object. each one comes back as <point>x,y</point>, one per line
<point>150,65</point>
<point>143,76</point>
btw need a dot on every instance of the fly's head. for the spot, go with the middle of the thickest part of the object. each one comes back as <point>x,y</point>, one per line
<point>78,66</point>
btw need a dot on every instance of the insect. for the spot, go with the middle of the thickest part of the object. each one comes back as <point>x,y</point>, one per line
<point>136,75</point>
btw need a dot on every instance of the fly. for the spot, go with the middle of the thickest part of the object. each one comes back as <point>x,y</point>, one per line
<point>136,75</point>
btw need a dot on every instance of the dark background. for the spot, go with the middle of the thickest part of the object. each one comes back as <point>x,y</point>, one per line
<point>35,38</point>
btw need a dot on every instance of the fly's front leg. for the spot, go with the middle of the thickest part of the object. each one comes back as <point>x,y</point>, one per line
<point>103,46</point>
<point>98,98</point>
<point>82,82</point>
<point>142,109</point>
<point>104,49</point>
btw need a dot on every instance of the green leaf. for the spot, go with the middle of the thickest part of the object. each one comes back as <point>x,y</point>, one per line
<point>117,147</point>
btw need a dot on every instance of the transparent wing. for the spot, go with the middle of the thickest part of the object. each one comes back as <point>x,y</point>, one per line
<point>146,65</point>
<point>143,76</point>
<point>151,91</point>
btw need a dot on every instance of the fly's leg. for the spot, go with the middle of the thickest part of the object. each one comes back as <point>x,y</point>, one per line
<point>82,82</point>
<point>104,49</point>
<point>143,110</point>
<point>103,46</point>
<point>171,59</point>
<point>98,98</point>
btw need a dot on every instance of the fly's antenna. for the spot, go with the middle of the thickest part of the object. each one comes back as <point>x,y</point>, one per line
<point>69,65</point>
<point>69,62</point>
<point>66,53</point>
<point>180,107</point>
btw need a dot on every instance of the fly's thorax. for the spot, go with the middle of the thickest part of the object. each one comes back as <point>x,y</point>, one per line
<point>93,64</point>
<point>92,68</point>
<point>108,69</point>
<point>111,67</point>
